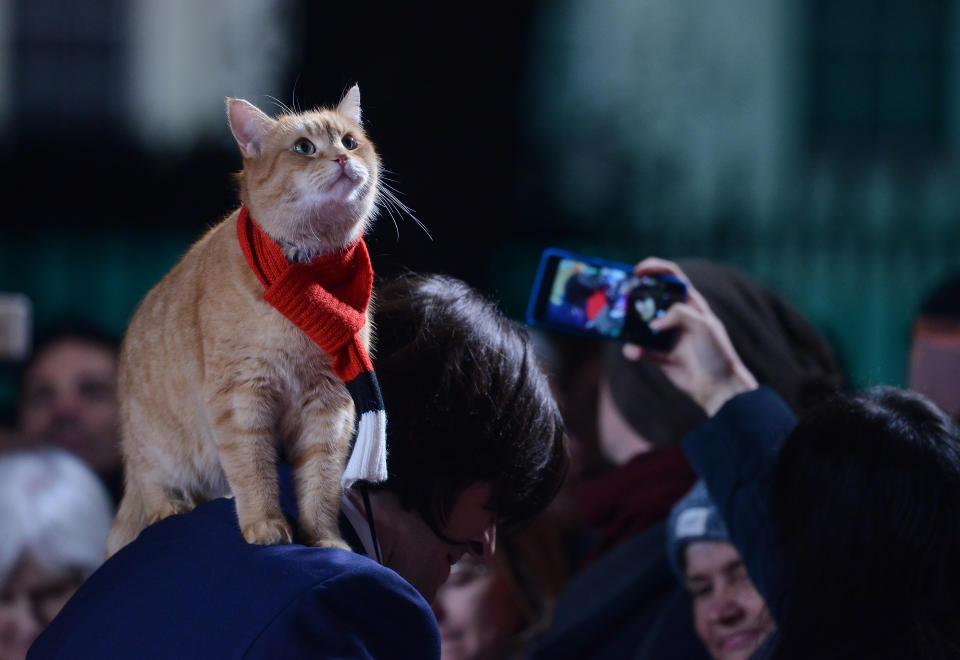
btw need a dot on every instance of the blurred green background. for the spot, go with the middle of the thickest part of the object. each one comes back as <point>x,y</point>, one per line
<point>812,143</point>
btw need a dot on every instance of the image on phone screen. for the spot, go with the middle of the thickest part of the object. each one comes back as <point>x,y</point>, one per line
<point>589,298</point>
<point>593,297</point>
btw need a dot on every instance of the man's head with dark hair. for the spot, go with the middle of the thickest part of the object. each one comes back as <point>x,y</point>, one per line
<point>68,395</point>
<point>866,498</point>
<point>70,331</point>
<point>466,402</point>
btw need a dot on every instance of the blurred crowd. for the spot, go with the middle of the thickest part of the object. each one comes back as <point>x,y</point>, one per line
<point>829,534</point>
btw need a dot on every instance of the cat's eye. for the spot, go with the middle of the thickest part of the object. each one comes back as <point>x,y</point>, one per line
<point>349,142</point>
<point>304,147</point>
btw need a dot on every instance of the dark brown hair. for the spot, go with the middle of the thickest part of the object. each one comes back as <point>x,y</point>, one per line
<point>866,499</point>
<point>466,402</point>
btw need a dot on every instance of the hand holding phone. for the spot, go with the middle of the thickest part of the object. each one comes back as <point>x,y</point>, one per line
<point>703,363</point>
<point>598,298</point>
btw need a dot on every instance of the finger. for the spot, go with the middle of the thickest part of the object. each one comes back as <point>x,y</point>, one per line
<point>635,352</point>
<point>657,266</point>
<point>657,357</point>
<point>679,315</point>
<point>632,352</point>
<point>697,301</point>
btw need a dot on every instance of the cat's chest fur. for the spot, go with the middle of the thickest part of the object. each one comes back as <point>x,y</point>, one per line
<point>297,368</point>
<point>243,332</point>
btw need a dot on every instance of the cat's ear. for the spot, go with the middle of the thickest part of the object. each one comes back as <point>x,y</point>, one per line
<point>248,125</point>
<point>350,104</point>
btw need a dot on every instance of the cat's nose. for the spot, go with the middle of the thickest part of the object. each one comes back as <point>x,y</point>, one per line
<point>342,159</point>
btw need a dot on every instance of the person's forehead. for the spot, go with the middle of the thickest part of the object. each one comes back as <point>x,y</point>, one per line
<point>709,556</point>
<point>28,573</point>
<point>75,356</point>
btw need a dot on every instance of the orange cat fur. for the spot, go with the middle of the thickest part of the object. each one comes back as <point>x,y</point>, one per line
<point>213,379</point>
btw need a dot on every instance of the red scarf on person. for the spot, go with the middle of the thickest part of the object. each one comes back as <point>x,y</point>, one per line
<point>327,298</point>
<point>634,497</point>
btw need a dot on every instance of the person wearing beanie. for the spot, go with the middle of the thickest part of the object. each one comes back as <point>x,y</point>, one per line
<point>625,602</point>
<point>729,615</point>
<point>642,415</point>
<point>848,518</point>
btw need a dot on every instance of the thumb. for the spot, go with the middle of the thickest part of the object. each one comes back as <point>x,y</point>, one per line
<point>678,315</point>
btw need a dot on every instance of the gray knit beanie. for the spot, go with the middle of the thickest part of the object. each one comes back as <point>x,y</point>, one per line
<point>693,518</point>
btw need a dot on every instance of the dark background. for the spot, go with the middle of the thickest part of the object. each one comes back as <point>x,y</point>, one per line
<point>439,85</point>
<point>486,115</point>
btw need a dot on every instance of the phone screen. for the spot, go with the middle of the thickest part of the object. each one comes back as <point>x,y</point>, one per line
<point>593,297</point>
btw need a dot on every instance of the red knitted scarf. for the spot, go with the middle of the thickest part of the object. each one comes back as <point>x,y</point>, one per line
<point>327,298</point>
<point>634,497</point>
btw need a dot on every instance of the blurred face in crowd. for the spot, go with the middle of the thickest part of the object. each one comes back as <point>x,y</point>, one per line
<point>29,599</point>
<point>935,363</point>
<point>475,611</point>
<point>729,615</point>
<point>69,399</point>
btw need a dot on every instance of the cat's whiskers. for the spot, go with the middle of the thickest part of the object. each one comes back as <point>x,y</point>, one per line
<point>384,204</point>
<point>280,104</point>
<point>389,201</point>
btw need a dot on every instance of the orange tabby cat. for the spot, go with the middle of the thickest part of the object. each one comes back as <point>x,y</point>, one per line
<point>213,379</point>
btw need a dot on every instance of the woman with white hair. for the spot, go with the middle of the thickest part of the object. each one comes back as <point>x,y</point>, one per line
<point>54,519</point>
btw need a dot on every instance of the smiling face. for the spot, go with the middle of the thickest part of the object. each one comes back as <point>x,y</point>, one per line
<point>310,179</point>
<point>729,615</point>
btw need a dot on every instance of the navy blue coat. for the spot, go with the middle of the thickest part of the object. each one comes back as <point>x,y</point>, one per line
<point>734,452</point>
<point>191,587</point>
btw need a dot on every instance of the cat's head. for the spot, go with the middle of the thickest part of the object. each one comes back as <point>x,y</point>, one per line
<point>309,179</point>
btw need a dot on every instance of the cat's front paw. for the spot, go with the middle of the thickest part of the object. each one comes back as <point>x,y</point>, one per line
<point>169,508</point>
<point>328,542</point>
<point>269,531</point>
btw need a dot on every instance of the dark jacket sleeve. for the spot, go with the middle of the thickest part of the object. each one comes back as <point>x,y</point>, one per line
<point>734,453</point>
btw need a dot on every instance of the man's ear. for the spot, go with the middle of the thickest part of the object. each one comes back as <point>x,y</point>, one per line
<point>248,125</point>
<point>350,104</point>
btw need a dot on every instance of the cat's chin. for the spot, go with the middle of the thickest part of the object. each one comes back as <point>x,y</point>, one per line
<point>344,189</point>
<point>323,229</point>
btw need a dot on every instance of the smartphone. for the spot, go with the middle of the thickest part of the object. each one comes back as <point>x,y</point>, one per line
<point>597,298</point>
